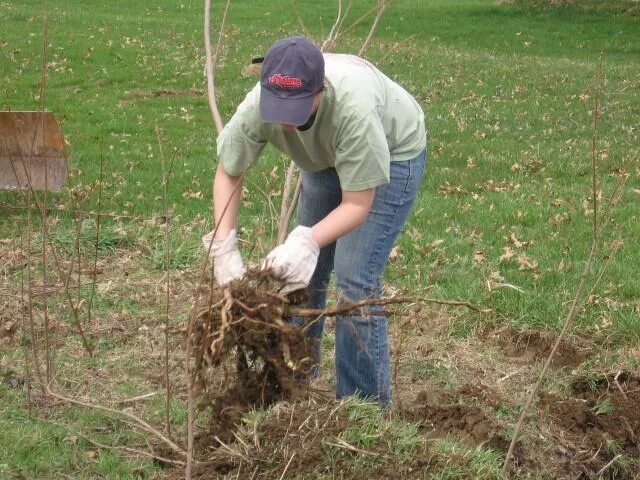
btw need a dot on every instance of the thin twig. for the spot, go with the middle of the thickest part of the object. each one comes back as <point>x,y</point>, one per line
<point>397,351</point>
<point>23,334</point>
<point>284,206</point>
<point>574,306</point>
<point>94,279</point>
<point>29,266</point>
<point>210,66</point>
<point>211,62</point>
<point>391,52</point>
<point>43,211</point>
<point>74,307</point>
<point>339,443</point>
<point>137,398</point>
<point>166,174</point>
<point>116,216</point>
<point>617,382</point>
<point>349,306</point>
<point>287,466</point>
<point>231,451</point>
<point>616,246</point>
<point>294,202</point>
<point>294,7</point>
<point>136,420</point>
<point>380,10</point>
<point>613,460</point>
<point>357,22</point>
<point>333,33</point>
<point>142,453</point>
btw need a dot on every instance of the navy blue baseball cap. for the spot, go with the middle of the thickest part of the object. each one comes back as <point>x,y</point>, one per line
<point>292,72</point>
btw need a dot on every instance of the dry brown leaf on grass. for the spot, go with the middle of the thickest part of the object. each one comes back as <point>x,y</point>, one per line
<point>558,219</point>
<point>507,255</point>
<point>448,189</point>
<point>517,243</point>
<point>498,186</point>
<point>396,253</point>
<point>191,194</point>
<point>526,263</point>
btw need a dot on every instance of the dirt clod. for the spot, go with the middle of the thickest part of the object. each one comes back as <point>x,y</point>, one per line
<point>595,429</point>
<point>457,413</point>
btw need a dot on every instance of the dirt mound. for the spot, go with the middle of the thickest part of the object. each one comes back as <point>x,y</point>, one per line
<point>597,429</point>
<point>458,413</point>
<point>534,345</point>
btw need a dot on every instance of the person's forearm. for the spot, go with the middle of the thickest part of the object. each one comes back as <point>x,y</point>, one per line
<point>226,201</point>
<point>351,212</point>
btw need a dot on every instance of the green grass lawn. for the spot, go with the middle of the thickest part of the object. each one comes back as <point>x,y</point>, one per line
<point>504,219</point>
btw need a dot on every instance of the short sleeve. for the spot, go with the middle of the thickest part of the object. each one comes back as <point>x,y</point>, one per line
<point>362,153</point>
<point>241,141</point>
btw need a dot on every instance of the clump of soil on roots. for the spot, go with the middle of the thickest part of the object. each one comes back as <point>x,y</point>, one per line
<point>246,353</point>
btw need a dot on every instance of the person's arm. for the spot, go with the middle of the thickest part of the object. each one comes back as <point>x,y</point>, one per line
<point>227,190</point>
<point>295,260</point>
<point>223,248</point>
<point>238,147</point>
<point>351,212</point>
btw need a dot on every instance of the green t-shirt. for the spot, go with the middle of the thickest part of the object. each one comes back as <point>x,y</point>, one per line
<point>363,122</point>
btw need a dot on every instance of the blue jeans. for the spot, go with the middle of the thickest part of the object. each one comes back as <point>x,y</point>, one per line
<point>359,259</point>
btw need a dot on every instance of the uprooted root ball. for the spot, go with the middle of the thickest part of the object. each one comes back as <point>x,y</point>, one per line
<point>246,353</point>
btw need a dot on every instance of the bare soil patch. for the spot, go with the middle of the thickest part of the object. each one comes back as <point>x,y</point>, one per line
<point>460,413</point>
<point>596,429</point>
<point>534,345</point>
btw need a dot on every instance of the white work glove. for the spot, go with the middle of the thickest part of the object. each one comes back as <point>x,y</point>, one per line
<point>295,260</point>
<point>226,258</point>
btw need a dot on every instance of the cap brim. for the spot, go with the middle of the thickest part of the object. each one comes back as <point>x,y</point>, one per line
<point>290,111</point>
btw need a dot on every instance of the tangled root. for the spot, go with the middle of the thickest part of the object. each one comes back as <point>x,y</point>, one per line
<point>246,353</point>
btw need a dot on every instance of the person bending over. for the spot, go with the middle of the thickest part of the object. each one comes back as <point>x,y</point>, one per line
<point>360,141</point>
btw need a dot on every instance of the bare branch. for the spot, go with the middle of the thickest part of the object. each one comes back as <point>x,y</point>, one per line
<point>294,7</point>
<point>210,70</point>
<point>350,306</point>
<point>136,420</point>
<point>137,398</point>
<point>210,64</point>
<point>380,10</point>
<point>583,280</point>
<point>326,45</point>
<point>288,203</point>
<point>166,175</point>
<point>356,23</point>
<point>294,202</point>
<point>134,451</point>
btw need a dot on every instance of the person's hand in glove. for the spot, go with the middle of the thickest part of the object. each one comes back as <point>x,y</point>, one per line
<point>227,261</point>
<point>295,260</point>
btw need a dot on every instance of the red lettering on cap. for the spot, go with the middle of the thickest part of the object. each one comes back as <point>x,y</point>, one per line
<point>285,81</point>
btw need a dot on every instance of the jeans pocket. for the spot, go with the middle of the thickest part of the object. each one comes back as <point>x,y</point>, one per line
<point>407,185</point>
<point>415,169</point>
